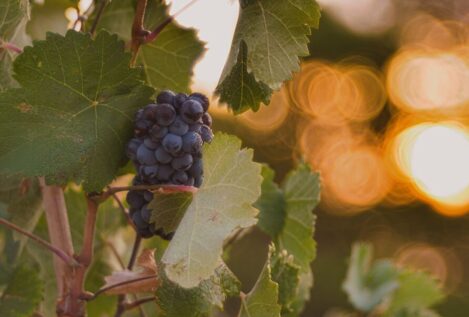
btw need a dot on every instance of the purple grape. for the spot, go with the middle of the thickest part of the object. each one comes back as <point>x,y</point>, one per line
<point>191,111</point>
<point>166,96</point>
<point>145,155</point>
<point>172,143</point>
<point>192,142</point>
<point>165,172</point>
<point>135,199</point>
<point>149,143</point>
<point>146,213</point>
<point>195,127</point>
<point>165,114</point>
<point>202,99</point>
<point>207,119</point>
<point>138,221</point>
<point>182,163</point>
<point>157,133</point>
<point>150,112</point>
<point>142,126</point>
<point>147,195</point>
<point>198,181</point>
<point>180,178</point>
<point>206,134</point>
<point>132,148</point>
<point>162,156</point>
<point>197,168</point>
<point>148,172</point>
<point>179,99</point>
<point>179,127</point>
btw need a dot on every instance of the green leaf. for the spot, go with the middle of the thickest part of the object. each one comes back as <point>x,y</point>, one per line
<point>301,191</point>
<point>117,18</point>
<point>20,202</point>
<point>417,290</point>
<point>262,300</point>
<point>240,89</point>
<point>223,204</point>
<point>176,301</point>
<point>303,295</point>
<point>276,33</point>
<point>286,274</point>
<point>169,60</point>
<point>271,205</point>
<point>168,208</point>
<point>414,312</point>
<point>22,294</point>
<point>15,15</point>
<point>75,111</point>
<point>368,285</point>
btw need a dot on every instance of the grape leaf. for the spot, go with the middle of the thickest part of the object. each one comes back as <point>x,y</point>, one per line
<point>302,296</point>
<point>286,274</point>
<point>262,300</point>
<point>168,209</point>
<point>271,205</point>
<point>240,88</point>
<point>417,290</point>
<point>414,312</point>
<point>176,301</point>
<point>223,204</point>
<point>368,285</point>
<point>15,15</point>
<point>74,113</point>
<point>22,294</point>
<point>301,191</point>
<point>117,18</point>
<point>276,34</point>
<point>168,60</point>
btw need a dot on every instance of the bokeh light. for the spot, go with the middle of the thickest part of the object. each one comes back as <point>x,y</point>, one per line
<point>434,156</point>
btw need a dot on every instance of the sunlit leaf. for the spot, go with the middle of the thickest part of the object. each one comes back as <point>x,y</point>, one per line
<point>223,204</point>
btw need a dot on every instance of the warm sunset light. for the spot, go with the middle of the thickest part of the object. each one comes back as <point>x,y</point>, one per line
<point>434,157</point>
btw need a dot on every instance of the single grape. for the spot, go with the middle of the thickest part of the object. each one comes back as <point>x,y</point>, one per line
<point>191,111</point>
<point>165,172</point>
<point>147,195</point>
<point>179,99</point>
<point>207,119</point>
<point>197,168</point>
<point>132,148</point>
<point>148,172</point>
<point>139,115</point>
<point>195,127</point>
<point>172,143</point>
<point>202,99</point>
<point>142,126</point>
<point>157,133</point>
<point>138,221</point>
<point>206,133</point>
<point>162,156</point>
<point>133,210</point>
<point>180,178</point>
<point>198,181</point>
<point>149,143</point>
<point>165,114</point>
<point>179,127</point>
<point>150,112</point>
<point>145,155</point>
<point>190,181</point>
<point>182,163</point>
<point>135,199</point>
<point>166,96</point>
<point>192,142</point>
<point>145,213</point>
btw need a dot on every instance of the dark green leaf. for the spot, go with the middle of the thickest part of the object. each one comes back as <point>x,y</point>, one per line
<point>271,205</point>
<point>301,191</point>
<point>276,33</point>
<point>368,285</point>
<point>75,112</point>
<point>240,89</point>
<point>168,208</point>
<point>22,294</point>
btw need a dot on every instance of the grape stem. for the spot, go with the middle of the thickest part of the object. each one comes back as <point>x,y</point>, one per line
<point>61,254</point>
<point>133,257</point>
<point>124,211</point>
<point>11,47</point>
<point>139,302</point>
<point>107,288</point>
<point>101,7</point>
<point>142,36</point>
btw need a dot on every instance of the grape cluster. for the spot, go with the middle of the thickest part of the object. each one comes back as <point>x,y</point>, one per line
<point>167,149</point>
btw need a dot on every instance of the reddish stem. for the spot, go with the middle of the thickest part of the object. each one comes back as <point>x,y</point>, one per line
<point>12,47</point>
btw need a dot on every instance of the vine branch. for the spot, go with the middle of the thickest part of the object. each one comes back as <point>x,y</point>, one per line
<point>139,302</point>
<point>11,47</point>
<point>107,288</point>
<point>101,7</point>
<point>58,252</point>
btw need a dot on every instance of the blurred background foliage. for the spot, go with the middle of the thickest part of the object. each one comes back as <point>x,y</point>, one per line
<point>380,109</point>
